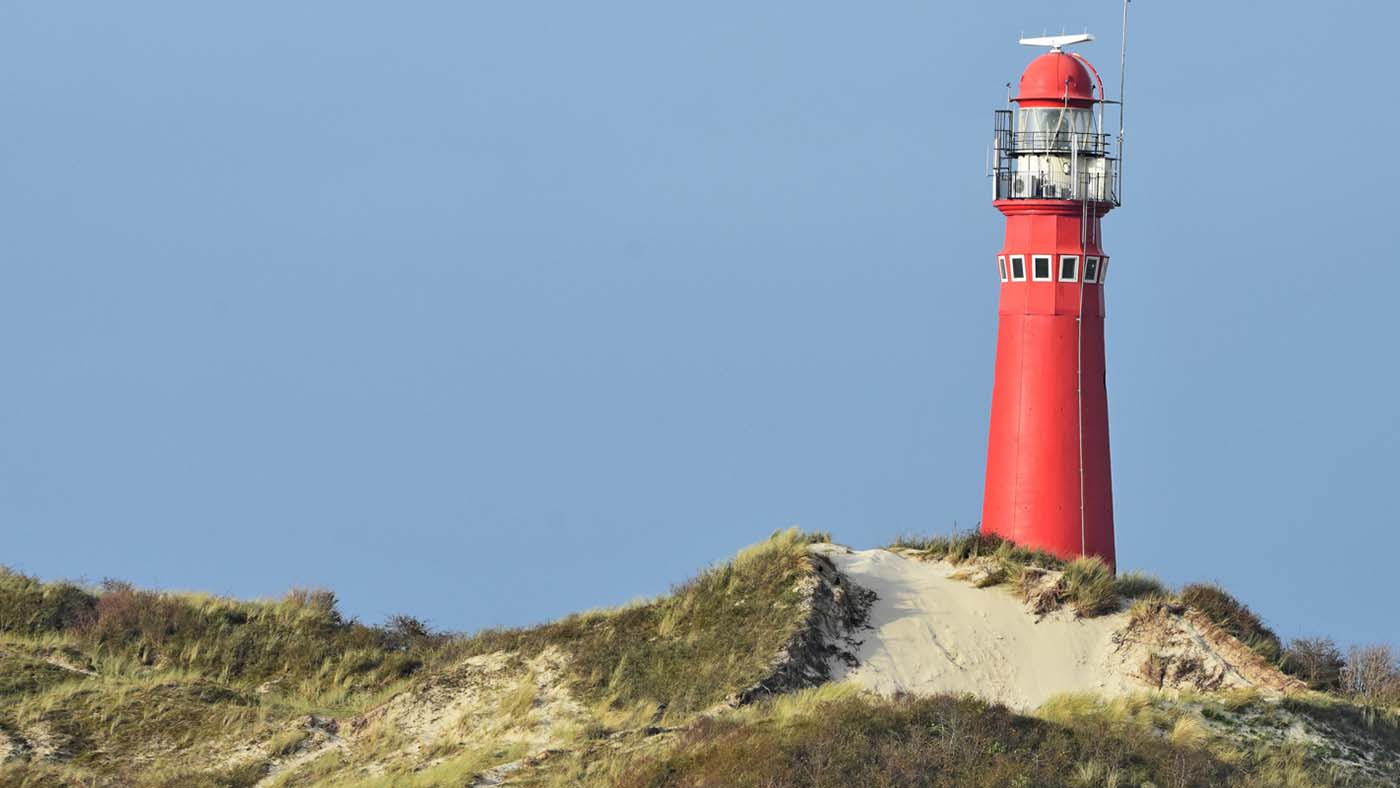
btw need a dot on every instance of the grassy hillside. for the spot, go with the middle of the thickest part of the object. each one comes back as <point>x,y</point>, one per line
<point>115,686</point>
<point>965,742</point>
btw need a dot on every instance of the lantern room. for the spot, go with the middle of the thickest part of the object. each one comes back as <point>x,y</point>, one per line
<point>1052,146</point>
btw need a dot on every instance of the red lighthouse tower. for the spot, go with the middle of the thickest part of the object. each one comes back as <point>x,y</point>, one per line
<point>1048,479</point>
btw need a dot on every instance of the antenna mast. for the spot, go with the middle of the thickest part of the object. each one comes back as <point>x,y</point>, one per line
<point>1122,80</point>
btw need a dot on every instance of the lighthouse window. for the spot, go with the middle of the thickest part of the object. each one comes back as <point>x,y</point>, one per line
<point>1018,268</point>
<point>1040,268</point>
<point>1069,267</point>
<point>1103,270</point>
<point>1052,128</point>
<point>1091,269</point>
<point>1001,266</point>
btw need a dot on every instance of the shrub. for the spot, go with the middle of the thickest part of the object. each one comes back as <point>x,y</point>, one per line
<point>404,632</point>
<point>1372,675</point>
<point>1316,661</point>
<point>29,607</point>
<point>1234,617</point>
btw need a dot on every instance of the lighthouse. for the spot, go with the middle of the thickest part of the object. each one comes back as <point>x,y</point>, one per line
<point>1055,176</point>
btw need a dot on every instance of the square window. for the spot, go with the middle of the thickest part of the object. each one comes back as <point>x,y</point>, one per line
<point>1040,268</point>
<point>1018,268</point>
<point>1001,266</point>
<point>1069,267</point>
<point>1091,269</point>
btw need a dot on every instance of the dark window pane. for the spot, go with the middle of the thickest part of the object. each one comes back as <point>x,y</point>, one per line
<point>1067,268</point>
<point>1018,268</point>
<point>1042,267</point>
<point>1091,269</point>
<point>1001,264</point>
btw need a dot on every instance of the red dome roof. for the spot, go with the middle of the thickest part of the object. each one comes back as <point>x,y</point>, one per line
<point>1049,76</point>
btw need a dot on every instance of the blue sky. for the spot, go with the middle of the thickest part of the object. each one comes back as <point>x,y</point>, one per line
<point>488,312</point>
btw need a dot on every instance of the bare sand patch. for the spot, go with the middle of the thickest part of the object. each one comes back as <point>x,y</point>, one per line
<point>931,633</point>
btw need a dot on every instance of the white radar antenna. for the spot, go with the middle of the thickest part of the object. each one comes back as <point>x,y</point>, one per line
<point>1056,43</point>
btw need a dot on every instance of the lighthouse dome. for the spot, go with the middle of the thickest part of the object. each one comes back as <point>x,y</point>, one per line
<point>1053,77</point>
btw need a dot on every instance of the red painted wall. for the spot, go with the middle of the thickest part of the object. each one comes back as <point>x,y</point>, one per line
<point>1032,493</point>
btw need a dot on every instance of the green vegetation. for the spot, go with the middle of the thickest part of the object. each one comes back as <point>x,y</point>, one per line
<point>959,741</point>
<point>29,607</point>
<point>300,642</point>
<point>711,637</point>
<point>1088,585</point>
<point>134,685</point>
<point>1234,617</point>
<point>115,686</point>
<point>968,545</point>
<point>1316,661</point>
<point>23,675</point>
<point>1136,585</point>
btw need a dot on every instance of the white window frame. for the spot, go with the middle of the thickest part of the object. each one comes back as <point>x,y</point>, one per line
<point>1061,271</point>
<point>1049,268</point>
<point>1011,260</point>
<point>1097,262</point>
<point>1001,267</point>
<point>1103,269</point>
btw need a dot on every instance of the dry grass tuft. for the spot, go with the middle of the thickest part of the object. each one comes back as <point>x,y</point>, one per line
<point>1088,587</point>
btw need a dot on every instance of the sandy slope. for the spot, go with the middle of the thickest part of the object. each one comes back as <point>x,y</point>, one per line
<point>930,634</point>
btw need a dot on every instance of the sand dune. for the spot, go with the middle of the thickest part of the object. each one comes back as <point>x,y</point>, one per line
<point>930,633</point>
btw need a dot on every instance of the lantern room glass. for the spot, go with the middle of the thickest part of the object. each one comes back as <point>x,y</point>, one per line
<point>1053,128</point>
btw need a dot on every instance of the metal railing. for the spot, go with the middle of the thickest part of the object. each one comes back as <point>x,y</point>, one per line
<point>1017,142</point>
<point>1051,165</point>
<point>1056,142</point>
<point>1049,184</point>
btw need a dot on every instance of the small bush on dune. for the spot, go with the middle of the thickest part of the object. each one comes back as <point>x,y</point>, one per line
<point>29,607</point>
<point>1316,661</point>
<point>1371,676</point>
<point>1234,617</point>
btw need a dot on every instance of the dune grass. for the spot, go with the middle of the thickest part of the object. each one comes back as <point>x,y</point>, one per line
<point>942,741</point>
<point>1089,587</point>
<point>301,643</point>
<point>175,672</point>
<point>967,545</point>
<point>1086,584</point>
<point>711,636</point>
<point>1136,585</point>
<point>1234,617</point>
<point>29,607</point>
<point>179,673</point>
<point>130,731</point>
